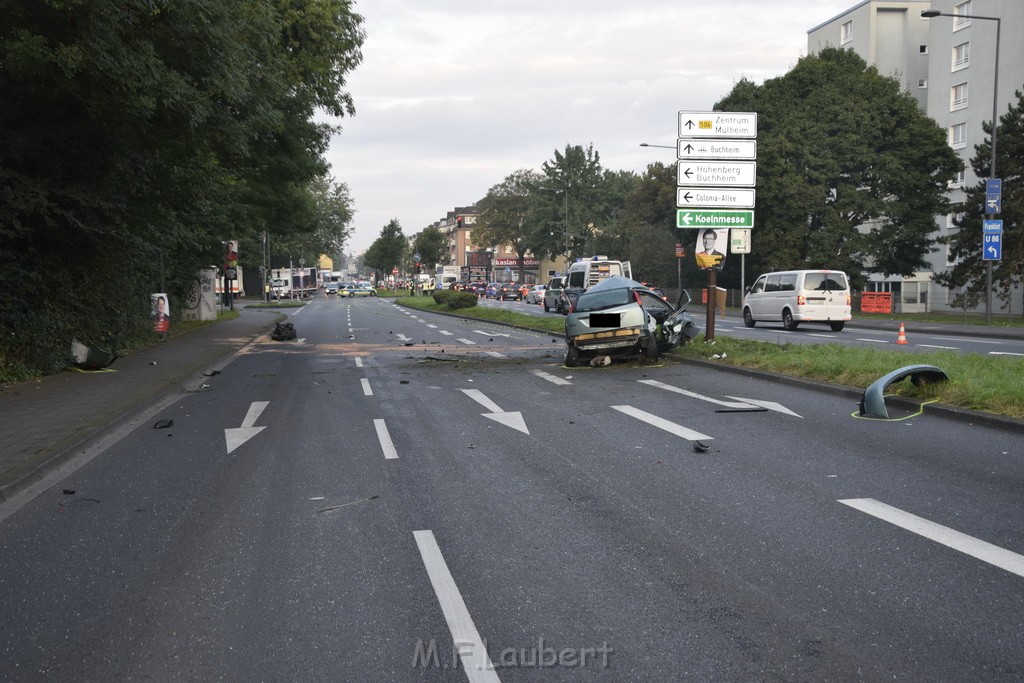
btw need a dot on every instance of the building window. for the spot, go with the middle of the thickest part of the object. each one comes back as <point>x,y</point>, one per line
<point>958,96</point>
<point>961,56</point>
<point>846,33</point>
<point>960,179</point>
<point>958,135</point>
<point>922,49</point>
<point>922,83</point>
<point>963,12</point>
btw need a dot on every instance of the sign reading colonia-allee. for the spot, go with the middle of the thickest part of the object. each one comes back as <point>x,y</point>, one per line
<point>714,218</point>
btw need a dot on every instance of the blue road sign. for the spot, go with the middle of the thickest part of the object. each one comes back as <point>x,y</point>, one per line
<point>992,246</point>
<point>992,226</point>
<point>994,195</point>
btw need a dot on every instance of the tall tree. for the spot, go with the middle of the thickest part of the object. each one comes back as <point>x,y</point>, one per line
<point>965,244</point>
<point>851,173</point>
<point>134,134</point>
<point>432,246</point>
<point>508,215</point>
<point>571,181</point>
<point>388,250</point>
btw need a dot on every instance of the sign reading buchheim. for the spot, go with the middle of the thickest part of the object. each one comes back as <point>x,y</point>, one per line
<point>717,124</point>
<point>720,173</point>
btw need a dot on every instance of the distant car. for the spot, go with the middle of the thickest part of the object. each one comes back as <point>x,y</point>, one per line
<point>478,288</point>
<point>536,294</point>
<point>352,291</point>
<point>508,290</point>
<point>620,317</point>
<point>332,287</point>
<point>459,286</point>
<point>491,292</point>
<point>552,294</point>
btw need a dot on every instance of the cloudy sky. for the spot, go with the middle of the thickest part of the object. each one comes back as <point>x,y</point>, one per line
<point>454,95</point>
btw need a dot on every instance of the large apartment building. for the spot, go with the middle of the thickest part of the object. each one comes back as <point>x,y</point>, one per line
<point>948,64</point>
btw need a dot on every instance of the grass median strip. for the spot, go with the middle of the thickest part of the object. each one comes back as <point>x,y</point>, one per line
<point>993,384</point>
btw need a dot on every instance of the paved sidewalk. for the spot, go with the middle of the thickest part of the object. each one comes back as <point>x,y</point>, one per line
<point>45,421</point>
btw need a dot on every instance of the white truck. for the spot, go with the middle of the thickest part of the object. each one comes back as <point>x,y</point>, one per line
<point>446,276</point>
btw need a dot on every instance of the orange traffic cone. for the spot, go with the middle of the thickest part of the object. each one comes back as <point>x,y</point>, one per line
<point>901,338</point>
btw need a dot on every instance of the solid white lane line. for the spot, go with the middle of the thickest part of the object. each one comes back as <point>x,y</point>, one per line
<point>691,394</point>
<point>467,341</point>
<point>359,362</point>
<point>384,438</point>
<point>470,646</point>
<point>818,334</point>
<point>935,346</point>
<point>670,427</point>
<point>479,397</point>
<point>367,391</point>
<point>495,354</point>
<point>982,550</point>
<point>976,341</point>
<point>873,341</point>
<point>551,378</point>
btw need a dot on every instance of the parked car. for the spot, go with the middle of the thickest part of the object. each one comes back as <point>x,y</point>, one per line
<point>620,317</point>
<point>536,294</point>
<point>354,290</point>
<point>508,290</point>
<point>552,293</point>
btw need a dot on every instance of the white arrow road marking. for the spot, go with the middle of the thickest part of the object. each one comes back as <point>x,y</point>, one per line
<point>551,378</point>
<point>446,332</point>
<point>982,550</point>
<point>236,437</point>
<point>403,337</point>
<point>467,341</point>
<point>684,392</point>
<point>770,405</point>
<point>367,391</point>
<point>1004,353</point>
<point>670,427</point>
<point>384,437</point>
<point>492,334</point>
<point>513,420</point>
<point>476,663</point>
<point>433,327</point>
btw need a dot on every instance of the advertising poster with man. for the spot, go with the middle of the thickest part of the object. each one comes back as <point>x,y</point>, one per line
<point>161,313</point>
<point>712,245</point>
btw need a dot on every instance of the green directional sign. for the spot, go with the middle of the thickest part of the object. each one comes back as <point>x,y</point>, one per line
<point>714,218</point>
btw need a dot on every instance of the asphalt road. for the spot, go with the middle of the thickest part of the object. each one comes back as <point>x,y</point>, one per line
<point>405,496</point>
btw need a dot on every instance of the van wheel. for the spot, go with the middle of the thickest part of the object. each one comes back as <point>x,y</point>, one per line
<point>748,319</point>
<point>837,326</point>
<point>787,320</point>
<point>572,355</point>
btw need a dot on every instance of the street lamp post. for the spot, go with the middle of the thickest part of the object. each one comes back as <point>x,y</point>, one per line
<point>928,14</point>
<point>565,226</point>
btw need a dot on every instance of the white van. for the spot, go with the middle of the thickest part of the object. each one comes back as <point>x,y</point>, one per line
<point>799,296</point>
<point>584,274</point>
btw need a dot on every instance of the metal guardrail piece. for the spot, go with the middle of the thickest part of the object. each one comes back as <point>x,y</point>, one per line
<point>872,403</point>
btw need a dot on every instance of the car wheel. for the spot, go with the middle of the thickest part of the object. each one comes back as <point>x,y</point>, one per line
<point>373,293</point>
<point>837,326</point>
<point>748,319</point>
<point>651,350</point>
<point>547,309</point>
<point>572,355</point>
<point>787,320</point>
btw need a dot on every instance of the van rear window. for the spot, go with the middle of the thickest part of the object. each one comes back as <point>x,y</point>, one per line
<point>825,282</point>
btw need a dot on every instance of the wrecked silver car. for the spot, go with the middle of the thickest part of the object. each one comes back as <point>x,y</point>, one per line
<point>621,317</point>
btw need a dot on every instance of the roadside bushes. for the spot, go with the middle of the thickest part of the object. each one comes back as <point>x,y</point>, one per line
<point>453,299</point>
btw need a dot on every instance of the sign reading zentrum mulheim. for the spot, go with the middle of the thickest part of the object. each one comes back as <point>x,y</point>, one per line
<point>716,152</point>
